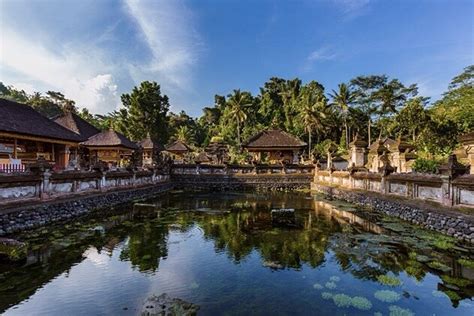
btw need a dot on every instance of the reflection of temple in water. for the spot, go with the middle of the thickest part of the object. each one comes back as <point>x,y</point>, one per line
<point>328,210</point>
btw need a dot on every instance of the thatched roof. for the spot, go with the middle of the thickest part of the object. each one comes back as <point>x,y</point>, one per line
<point>109,138</point>
<point>17,118</point>
<point>178,147</point>
<point>77,124</point>
<point>148,143</point>
<point>273,139</point>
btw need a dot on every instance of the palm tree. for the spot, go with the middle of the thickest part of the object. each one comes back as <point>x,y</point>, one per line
<point>343,99</point>
<point>238,103</point>
<point>312,115</point>
<point>184,134</point>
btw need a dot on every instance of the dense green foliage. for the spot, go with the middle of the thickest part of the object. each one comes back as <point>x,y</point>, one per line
<point>425,165</point>
<point>370,106</point>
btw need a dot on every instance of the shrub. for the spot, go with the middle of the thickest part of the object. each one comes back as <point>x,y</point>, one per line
<point>425,165</point>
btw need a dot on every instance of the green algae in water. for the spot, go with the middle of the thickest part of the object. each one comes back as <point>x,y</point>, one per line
<point>378,314</point>
<point>331,285</point>
<point>342,300</point>
<point>456,281</point>
<point>194,285</point>
<point>361,303</point>
<point>318,286</point>
<point>389,280</point>
<point>326,295</point>
<point>387,296</point>
<point>335,278</point>
<point>466,263</point>
<point>398,311</point>
<point>439,266</point>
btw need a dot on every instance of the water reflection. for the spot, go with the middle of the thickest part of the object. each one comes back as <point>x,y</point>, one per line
<point>327,235</point>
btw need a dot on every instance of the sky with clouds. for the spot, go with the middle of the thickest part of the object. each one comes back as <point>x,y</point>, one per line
<point>95,50</point>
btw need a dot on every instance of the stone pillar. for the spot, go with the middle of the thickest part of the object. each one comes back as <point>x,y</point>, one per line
<point>358,152</point>
<point>45,185</point>
<point>470,155</point>
<point>446,188</point>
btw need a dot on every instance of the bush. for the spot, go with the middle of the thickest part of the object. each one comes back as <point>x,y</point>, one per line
<point>425,165</point>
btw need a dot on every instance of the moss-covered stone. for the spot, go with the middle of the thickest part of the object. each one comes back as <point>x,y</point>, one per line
<point>13,249</point>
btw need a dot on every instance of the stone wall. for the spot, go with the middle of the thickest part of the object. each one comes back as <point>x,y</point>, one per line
<point>453,224</point>
<point>46,185</point>
<point>226,178</point>
<point>25,218</point>
<point>442,189</point>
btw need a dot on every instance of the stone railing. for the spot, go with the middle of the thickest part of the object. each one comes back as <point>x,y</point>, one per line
<point>46,185</point>
<point>235,177</point>
<point>202,169</point>
<point>442,189</point>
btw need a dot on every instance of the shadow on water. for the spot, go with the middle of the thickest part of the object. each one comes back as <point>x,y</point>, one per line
<point>332,234</point>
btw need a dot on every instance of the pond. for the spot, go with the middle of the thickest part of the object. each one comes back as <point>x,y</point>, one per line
<point>223,252</point>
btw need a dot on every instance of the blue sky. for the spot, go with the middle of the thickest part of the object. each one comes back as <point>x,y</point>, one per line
<point>95,50</point>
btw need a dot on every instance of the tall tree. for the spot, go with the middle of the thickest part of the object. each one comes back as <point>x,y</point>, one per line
<point>147,108</point>
<point>238,102</point>
<point>342,99</point>
<point>312,116</point>
<point>364,88</point>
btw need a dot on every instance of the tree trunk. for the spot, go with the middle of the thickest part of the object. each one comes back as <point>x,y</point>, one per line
<point>347,133</point>
<point>309,145</point>
<point>238,132</point>
<point>369,131</point>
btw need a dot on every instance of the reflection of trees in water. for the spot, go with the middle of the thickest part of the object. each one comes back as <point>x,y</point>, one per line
<point>146,245</point>
<point>239,233</point>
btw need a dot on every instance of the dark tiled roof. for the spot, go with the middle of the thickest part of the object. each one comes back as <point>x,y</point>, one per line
<point>77,124</point>
<point>178,146</point>
<point>148,143</point>
<point>22,119</point>
<point>109,138</point>
<point>273,138</point>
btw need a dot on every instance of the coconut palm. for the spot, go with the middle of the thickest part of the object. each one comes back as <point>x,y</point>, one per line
<point>238,103</point>
<point>184,134</point>
<point>312,115</point>
<point>342,99</point>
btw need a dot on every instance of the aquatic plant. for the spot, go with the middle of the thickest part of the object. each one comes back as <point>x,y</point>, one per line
<point>456,281</point>
<point>361,303</point>
<point>387,296</point>
<point>326,295</point>
<point>335,278</point>
<point>378,314</point>
<point>13,250</point>
<point>453,296</point>
<point>439,266</point>
<point>466,263</point>
<point>398,311</point>
<point>342,300</point>
<point>389,280</point>
<point>318,286</point>
<point>331,285</point>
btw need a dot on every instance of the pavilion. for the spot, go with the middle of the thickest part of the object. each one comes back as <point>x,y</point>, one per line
<point>274,145</point>
<point>110,147</point>
<point>28,136</point>
<point>150,149</point>
<point>178,151</point>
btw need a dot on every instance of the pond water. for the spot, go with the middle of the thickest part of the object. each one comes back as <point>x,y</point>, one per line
<point>222,252</point>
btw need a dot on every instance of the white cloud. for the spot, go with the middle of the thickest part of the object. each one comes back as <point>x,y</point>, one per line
<point>167,29</point>
<point>324,53</point>
<point>79,73</point>
<point>352,8</point>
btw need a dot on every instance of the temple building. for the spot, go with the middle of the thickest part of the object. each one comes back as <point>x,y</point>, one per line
<point>26,136</point>
<point>273,146</point>
<point>150,151</point>
<point>110,147</point>
<point>178,151</point>
<point>467,142</point>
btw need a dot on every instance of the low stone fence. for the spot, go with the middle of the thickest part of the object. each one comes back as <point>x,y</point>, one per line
<point>45,185</point>
<point>233,177</point>
<point>417,198</point>
<point>202,169</point>
<point>29,217</point>
<point>440,189</point>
